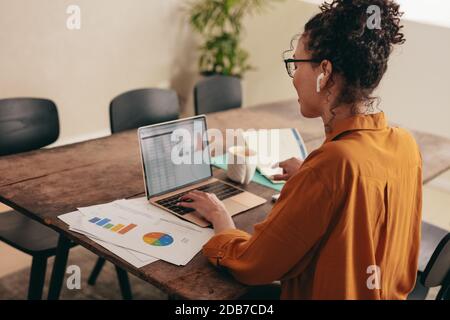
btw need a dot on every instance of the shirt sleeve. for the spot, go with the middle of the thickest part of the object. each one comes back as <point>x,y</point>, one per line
<point>297,221</point>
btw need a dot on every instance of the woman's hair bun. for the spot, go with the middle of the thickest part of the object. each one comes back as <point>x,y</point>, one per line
<point>357,36</point>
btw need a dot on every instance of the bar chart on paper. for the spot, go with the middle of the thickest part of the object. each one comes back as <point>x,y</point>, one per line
<point>129,227</point>
<point>107,224</point>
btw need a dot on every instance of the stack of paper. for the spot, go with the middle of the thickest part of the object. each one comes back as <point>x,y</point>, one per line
<point>138,232</point>
<point>273,146</point>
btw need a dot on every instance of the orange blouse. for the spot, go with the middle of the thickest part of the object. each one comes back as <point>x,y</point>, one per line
<point>346,225</point>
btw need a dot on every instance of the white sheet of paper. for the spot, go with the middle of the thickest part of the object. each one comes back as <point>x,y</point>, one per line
<point>142,206</point>
<point>92,210</point>
<point>170,239</point>
<point>76,222</point>
<point>136,259</point>
<point>138,255</point>
<point>273,146</point>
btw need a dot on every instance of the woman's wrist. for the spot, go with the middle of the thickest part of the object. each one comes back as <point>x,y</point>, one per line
<point>222,221</point>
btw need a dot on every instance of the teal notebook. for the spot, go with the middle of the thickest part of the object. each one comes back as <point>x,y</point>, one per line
<point>220,162</point>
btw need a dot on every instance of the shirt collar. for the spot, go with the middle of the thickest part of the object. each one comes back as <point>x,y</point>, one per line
<point>374,121</point>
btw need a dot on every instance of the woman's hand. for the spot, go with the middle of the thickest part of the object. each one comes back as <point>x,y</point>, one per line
<point>290,167</point>
<point>209,207</point>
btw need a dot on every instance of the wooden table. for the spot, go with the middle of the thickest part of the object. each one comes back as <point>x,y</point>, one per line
<point>46,183</point>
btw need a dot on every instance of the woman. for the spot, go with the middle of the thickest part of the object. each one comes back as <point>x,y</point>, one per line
<point>347,223</point>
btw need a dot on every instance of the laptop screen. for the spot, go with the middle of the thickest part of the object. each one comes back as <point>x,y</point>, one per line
<point>174,154</point>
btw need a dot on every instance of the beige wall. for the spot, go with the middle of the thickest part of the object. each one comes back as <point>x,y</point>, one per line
<point>122,45</point>
<point>125,45</point>
<point>267,36</point>
<point>416,89</point>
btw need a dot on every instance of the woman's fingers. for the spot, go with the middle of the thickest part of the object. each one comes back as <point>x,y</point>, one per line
<point>195,196</point>
<point>187,204</point>
<point>191,195</point>
<point>283,164</point>
<point>280,176</point>
<point>208,207</point>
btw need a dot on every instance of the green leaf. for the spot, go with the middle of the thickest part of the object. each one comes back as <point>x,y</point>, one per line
<point>219,22</point>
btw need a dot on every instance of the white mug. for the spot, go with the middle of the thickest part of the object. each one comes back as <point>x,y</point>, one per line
<point>241,164</point>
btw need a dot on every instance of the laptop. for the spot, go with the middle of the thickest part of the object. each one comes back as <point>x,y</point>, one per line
<point>176,160</point>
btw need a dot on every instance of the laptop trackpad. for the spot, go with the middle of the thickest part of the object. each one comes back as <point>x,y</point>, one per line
<point>234,207</point>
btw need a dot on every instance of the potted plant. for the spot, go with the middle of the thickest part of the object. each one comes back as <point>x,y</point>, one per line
<point>219,22</point>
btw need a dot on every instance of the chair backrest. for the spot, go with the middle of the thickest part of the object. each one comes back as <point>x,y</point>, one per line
<point>27,124</point>
<point>437,272</point>
<point>217,93</point>
<point>143,107</point>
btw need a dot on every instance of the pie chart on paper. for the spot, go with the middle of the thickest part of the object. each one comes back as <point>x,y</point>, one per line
<point>158,239</point>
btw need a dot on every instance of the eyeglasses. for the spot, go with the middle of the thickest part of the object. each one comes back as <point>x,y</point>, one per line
<point>290,65</point>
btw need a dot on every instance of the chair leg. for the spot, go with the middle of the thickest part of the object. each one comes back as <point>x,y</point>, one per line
<point>444,293</point>
<point>59,267</point>
<point>37,278</point>
<point>96,271</point>
<point>124,284</point>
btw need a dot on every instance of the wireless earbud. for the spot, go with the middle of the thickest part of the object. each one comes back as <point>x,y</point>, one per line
<point>319,78</point>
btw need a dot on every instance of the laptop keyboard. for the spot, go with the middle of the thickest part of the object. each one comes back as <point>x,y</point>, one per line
<point>221,190</point>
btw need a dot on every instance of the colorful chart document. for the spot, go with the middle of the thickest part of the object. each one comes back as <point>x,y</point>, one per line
<point>159,236</point>
<point>134,258</point>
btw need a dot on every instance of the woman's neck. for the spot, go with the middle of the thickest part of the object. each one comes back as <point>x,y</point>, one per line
<point>341,111</point>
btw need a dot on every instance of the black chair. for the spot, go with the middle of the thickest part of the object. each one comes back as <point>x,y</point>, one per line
<point>134,109</point>
<point>27,124</point>
<point>217,93</point>
<point>435,249</point>
<point>143,107</point>
<point>437,272</point>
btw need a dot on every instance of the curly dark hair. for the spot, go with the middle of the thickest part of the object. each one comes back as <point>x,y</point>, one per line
<point>340,34</point>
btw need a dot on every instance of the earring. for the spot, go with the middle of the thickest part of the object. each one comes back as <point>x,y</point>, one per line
<point>319,78</point>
